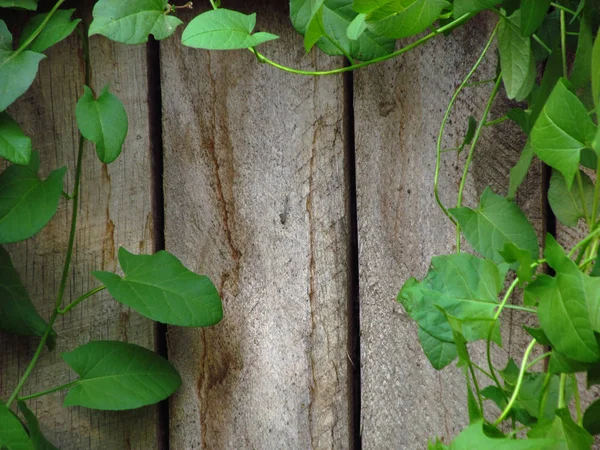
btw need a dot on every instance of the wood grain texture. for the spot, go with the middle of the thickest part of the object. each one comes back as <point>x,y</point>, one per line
<point>256,197</point>
<point>114,210</point>
<point>398,107</point>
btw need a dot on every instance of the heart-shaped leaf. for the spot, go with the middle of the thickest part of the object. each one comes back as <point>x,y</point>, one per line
<point>561,131</point>
<point>17,313</point>
<point>566,203</point>
<point>12,434</point>
<point>116,375</point>
<point>21,4</point>
<point>464,287</point>
<point>403,18</point>
<point>132,21</point>
<point>223,29</point>
<point>439,353</point>
<point>496,222</point>
<point>564,431</point>
<point>17,69</point>
<point>37,438</point>
<point>27,203</point>
<point>59,27</point>
<point>516,58</point>
<point>160,287</point>
<point>14,145</point>
<point>102,121</point>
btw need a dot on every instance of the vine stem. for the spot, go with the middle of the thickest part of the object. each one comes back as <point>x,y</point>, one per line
<point>69,255</point>
<point>515,393</point>
<point>76,302</point>
<point>263,59</point>
<point>507,295</point>
<point>577,401</point>
<point>447,116</point>
<point>48,391</point>
<point>585,241</point>
<point>589,220</point>
<point>561,390</point>
<point>480,126</point>
<point>36,33</point>
<point>563,42</point>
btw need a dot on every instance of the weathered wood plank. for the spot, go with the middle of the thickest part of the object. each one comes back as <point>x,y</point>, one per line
<point>256,197</point>
<point>399,106</point>
<point>115,210</point>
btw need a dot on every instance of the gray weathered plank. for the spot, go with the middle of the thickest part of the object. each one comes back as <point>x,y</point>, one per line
<point>256,197</point>
<point>115,210</point>
<point>398,109</point>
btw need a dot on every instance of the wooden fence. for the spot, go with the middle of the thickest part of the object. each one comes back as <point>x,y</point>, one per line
<point>308,201</point>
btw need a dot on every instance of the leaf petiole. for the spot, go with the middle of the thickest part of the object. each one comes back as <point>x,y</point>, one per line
<point>48,391</point>
<point>77,301</point>
<point>515,393</point>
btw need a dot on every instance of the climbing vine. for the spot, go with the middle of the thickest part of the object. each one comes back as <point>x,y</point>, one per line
<point>549,65</point>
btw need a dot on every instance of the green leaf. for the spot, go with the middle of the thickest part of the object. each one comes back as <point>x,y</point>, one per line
<point>566,203</point>
<point>117,375</point>
<point>12,434</point>
<point>516,58</point>
<point>337,17</point>
<point>14,145</point>
<point>521,117</point>
<point>462,7</point>
<point>593,375</point>
<point>464,286</point>
<point>368,6</point>
<point>17,72</point>
<point>37,438</point>
<point>538,334</point>
<point>565,433</point>
<point>560,363</point>
<point>17,313</point>
<point>581,74</point>
<point>533,13</point>
<point>473,437</point>
<point>563,311</point>
<point>27,203</point>
<point>403,18</point>
<point>23,4</point>
<point>5,37</point>
<point>131,22</point>
<point>591,418</point>
<point>523,259</point>
<point>102,121</point>
<point>356,27</point>
<point>439,353</point>
<point>58,28</point>
<point>552,74</point>
<point>223,29</point>
<point>519,171</point>
<point>596,72</point>
<point>561,131</point>
<point>495,223</point>
<point>510,373</point>
<point>161,288</point>
<point>475,413</point>
<point>532,390</point>
<point>315,31</point>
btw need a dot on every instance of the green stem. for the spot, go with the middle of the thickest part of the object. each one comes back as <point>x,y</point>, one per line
<point>262,58</point>
<point>563,42</point>
<point>596,193</point>
<point>445,120</point>
<point>515,393</point>
<point>476,384</point>
<point>463,181</point>
<point>577,401</point>
<point>76,302</point>
<point>561,390</point>
<point>544,394</point>
<point>48,391</point>
<point>483,371</point>
<point>585,241</point>
<point>588,219</point>
<point>542,43</point>
<point>36,33</point>
<point>66,196</point>
<point>563,8</point>
<point>537,360</point>
<point>521,308</point>
<point>69,255</point>
<point>496,121</point>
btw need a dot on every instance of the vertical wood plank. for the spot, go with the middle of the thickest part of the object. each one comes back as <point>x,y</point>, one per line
<point>256,197</point>
<point>399,106</point>
<point>115,210</point>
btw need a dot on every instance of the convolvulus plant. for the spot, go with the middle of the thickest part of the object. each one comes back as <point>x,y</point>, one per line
<point>463,297</point>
